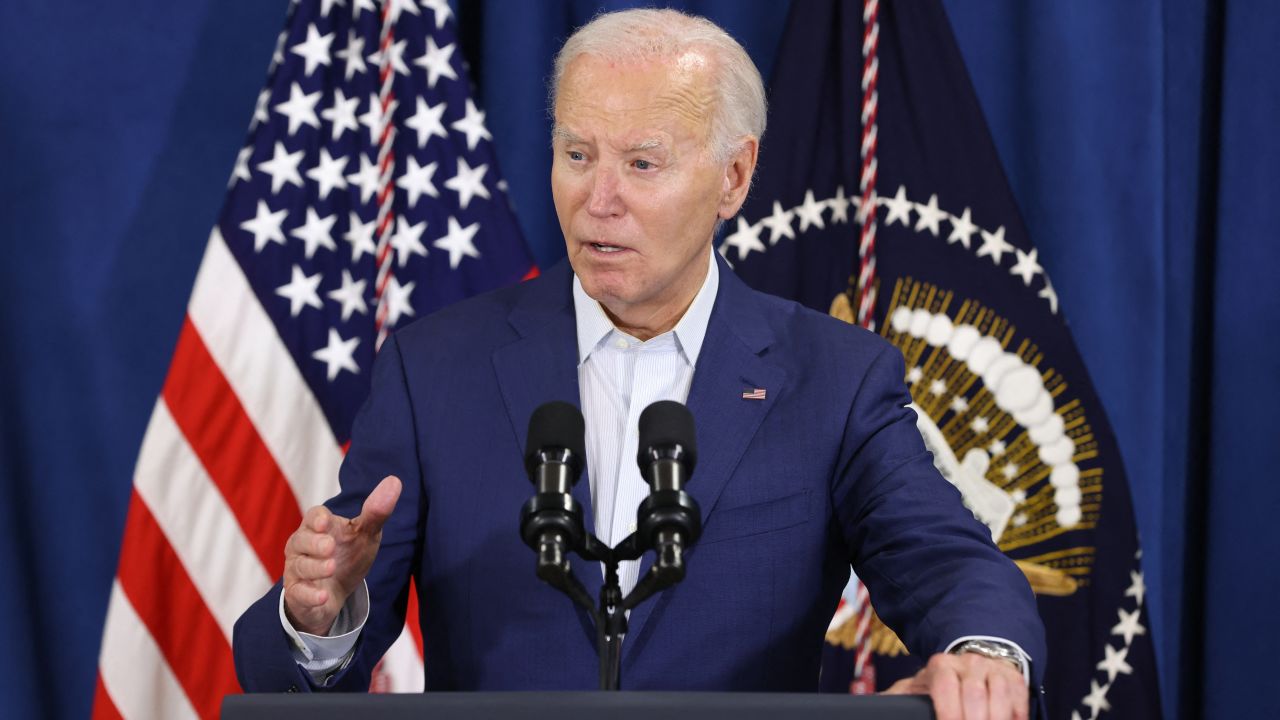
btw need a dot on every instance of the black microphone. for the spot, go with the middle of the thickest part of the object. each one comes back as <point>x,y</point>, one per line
<point>551,521</point>
<point>669,519</point>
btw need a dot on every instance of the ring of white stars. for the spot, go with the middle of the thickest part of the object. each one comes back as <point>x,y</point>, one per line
<point>899,208</point>
<point>1115,661</point>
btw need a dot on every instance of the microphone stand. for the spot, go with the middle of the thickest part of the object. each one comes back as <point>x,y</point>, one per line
<point>610,616</point>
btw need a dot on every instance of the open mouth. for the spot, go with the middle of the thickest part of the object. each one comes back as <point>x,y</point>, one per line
<point>605,248</point>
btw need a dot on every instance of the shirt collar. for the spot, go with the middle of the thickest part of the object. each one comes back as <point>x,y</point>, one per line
<point>594,326</point>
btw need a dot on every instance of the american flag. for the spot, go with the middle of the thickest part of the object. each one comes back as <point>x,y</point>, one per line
<point>367,195</point>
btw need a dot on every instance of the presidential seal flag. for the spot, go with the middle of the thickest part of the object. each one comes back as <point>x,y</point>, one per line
<point>884,203</point>
<point>367,195</point>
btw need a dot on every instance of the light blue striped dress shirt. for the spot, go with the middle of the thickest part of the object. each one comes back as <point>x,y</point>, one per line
<point>618,377</point>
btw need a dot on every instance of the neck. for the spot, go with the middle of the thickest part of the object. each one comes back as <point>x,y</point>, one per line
<point>647,322</point>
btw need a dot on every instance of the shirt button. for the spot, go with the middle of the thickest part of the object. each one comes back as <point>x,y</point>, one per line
<point>632,528</point>
<point>620,344</point>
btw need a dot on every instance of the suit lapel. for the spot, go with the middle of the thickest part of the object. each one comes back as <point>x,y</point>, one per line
<point>543,366</point>
<point>729,364</point>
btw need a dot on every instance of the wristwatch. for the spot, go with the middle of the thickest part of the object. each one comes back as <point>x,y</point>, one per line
<point>994,650</point>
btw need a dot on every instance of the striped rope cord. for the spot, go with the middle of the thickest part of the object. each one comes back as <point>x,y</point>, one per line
<point>867,179</point>
<point>867,262</point>
<point>386,172</point>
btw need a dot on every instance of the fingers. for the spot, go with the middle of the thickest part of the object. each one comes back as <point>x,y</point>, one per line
<point>379,505</point>
<point>999,697</point>
<point>944,688</point>
<point>969,687</point>
<point>305,596</point>
<point>310,569</point>
<point>318,519</point>
<point>309,543</point>
<point>974,697</point>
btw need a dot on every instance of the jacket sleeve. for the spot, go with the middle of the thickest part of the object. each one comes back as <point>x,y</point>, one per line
<point>383,442</point>
<point>933,573</point>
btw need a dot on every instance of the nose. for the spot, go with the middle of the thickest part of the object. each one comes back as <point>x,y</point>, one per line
<point>606,198</point>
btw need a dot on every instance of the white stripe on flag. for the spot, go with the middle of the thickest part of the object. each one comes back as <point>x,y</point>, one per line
<point>402,665</point>
<point>244,343</point>
<point>134,672</point>
<point>198,524</point>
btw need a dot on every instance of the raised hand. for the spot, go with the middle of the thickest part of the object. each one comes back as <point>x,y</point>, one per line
<point>328,557</point>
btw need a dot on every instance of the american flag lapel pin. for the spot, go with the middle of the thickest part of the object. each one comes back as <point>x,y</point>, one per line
<point>753,394</point>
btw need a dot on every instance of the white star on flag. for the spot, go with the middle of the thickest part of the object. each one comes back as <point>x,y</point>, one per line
<point>300,109</point>
<point>472,125</point>
<point>407,240</point>
<point>899,208</point>
<point>301,291</point>
<point>995,245</point>
<point>315,50</point>
<point>810,212</point>
<point>265,226</point>
<point>395,57</point>
<point>1026,267</point>
<point>468,183</point>
<point>426,122</point>
<point>337,355</point>
<point>241,169</point>
<point>360,236</point>
<point>1129,625</point>
<point>436,62</point>
<point>282,167</point>
<point>459,241</point>
<point>366,179</point>
<point>839,206</point>
<point>316,232</point>
<point>396,297</point>
<point>375,119</point>
<point>416,181</point>
<point>962,229</point>
<point>779,224</point>
<point>350,295</point>
<point>353,53</point>
<point>342,115</point>
<point>1115,662</point>
<point>327,173</point>
<point>929,216</point>
<point>441,10</point>
<point>746,238</point>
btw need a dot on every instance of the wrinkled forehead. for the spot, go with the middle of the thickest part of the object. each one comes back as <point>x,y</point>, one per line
<point>643,91</point>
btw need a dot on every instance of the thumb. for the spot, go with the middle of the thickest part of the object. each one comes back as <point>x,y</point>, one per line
<point>379,505</point>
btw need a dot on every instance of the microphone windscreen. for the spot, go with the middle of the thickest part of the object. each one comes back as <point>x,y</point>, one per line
<point>556,424</point>
<point>666,423</point>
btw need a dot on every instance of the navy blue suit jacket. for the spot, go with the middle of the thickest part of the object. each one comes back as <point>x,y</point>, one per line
<point>827,471</point>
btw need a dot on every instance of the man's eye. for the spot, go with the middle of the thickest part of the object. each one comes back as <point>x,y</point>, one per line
<point>643,165</point>
<point>576,156</point>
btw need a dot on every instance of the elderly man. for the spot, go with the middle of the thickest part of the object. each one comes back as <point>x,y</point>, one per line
<point>809,460</point>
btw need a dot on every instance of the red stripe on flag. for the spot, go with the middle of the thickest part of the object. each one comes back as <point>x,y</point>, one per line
<point>103,708</point>
<point>411,616</point>
<point>157,585</point>
<point>533,273</point>
<point>209,414</point>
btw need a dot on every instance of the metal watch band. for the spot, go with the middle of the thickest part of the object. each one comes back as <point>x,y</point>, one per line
<point>993,650</point>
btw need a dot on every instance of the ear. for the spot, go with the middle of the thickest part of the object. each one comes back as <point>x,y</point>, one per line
<point>737,177</point>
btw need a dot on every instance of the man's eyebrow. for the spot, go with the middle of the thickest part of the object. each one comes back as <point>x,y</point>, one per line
<point>564,135</point>
<point>649,144</point>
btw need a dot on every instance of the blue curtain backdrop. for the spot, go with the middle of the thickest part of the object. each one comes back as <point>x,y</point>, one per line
<point>1139,139</point>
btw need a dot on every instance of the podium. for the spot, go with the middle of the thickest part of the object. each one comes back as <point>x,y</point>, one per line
<point>576,706</point>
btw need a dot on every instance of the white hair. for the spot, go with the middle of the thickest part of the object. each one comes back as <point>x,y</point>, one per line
<point>648,34</point>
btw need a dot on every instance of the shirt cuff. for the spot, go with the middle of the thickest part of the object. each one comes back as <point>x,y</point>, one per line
<point>1023,658</point>
<point>324,655</point>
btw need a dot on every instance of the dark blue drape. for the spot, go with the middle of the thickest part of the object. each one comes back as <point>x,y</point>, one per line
<point>1138,138</point>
